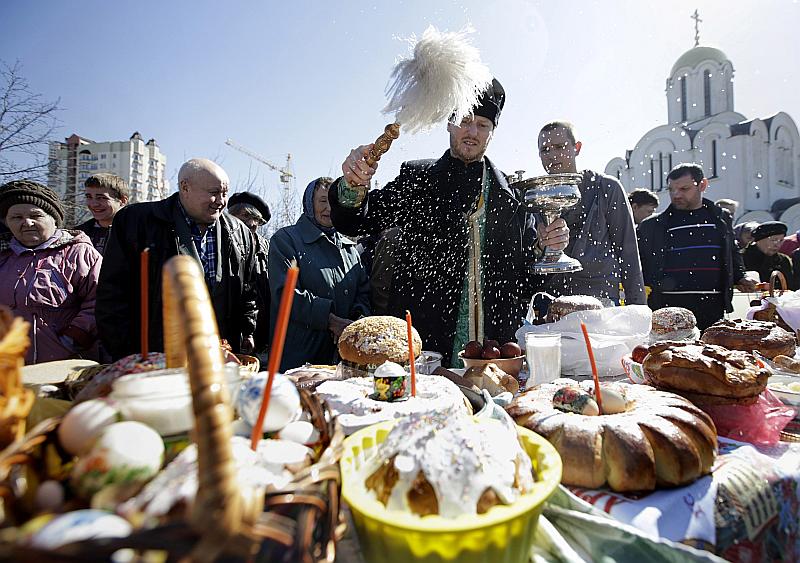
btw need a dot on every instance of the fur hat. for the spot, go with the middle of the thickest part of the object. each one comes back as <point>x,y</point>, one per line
<point>250,198</point>
<point>491,102</point>
<point>34,193</point>
<point>768,229</point>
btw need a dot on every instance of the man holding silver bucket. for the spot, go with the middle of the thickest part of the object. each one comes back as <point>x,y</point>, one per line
<point>465,245</point>
<point>604,235</point>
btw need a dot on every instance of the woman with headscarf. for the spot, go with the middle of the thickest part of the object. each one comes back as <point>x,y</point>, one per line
<point>49,273</point>
<point>333,287</point>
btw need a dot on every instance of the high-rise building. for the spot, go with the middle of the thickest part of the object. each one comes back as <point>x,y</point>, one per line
<point>140,163</point>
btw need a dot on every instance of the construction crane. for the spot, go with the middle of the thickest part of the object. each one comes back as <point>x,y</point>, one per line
<point>288,206</point>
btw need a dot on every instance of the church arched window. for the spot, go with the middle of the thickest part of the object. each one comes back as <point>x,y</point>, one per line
<point>652,174</point>
<point>707,92</point>
<point>714,161</point>
<point>660,171</point>
<point>682,80</point>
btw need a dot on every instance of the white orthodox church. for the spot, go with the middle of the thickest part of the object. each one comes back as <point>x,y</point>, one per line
<point>753,161</point>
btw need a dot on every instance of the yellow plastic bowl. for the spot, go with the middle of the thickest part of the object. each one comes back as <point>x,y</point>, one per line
<point>504,534</point>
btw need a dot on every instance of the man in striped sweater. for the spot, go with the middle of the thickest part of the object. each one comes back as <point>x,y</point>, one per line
<point>689,257</point>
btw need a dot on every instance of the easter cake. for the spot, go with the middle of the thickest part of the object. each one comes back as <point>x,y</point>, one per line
<point>645,439</point>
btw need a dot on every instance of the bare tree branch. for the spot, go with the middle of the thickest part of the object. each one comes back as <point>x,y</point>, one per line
<point>27,123</point>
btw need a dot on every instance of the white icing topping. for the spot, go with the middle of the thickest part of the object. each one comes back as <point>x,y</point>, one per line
<point>349,400</point>
<point>460,457</point>
<point>389,369</point>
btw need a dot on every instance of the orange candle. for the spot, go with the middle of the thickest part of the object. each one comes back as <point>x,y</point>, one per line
<point>276,351</point>
<point>143,298</point>
<point>411,355</point>
<point>597,395</point>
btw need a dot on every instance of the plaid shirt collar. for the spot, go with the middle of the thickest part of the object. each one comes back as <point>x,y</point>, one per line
<point>205,244</point>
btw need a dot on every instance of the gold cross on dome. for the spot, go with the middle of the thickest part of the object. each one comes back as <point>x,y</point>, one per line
<point>697,20</point>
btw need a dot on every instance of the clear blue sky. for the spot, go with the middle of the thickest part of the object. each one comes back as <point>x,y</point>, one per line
<point>308,78</point>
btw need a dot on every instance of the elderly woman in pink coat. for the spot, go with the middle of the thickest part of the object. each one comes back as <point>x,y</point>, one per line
<point>49,274</point>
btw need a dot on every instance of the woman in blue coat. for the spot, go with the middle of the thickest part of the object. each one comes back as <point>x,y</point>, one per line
<point>333,287</point>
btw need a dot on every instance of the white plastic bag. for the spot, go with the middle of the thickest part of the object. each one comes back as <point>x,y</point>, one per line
<point>614,332</point>
<point>787,304</point>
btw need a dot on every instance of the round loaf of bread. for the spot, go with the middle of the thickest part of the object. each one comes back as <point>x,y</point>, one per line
<point>661,439</point>
<point>767,338</point>
<point>705,374</point>
<point>671,319</point>
<point>374,340</point>
<point>567,304</point>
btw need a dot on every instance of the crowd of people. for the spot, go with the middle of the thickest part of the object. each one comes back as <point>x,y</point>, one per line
<point>449,240</point>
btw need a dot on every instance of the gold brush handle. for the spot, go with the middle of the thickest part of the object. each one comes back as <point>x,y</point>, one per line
<point>382,143</point>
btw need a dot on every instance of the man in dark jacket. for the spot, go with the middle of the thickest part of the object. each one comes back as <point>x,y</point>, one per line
<point>254,212</point>
<point>465,247</point>
<point>603,234</point>
<point>689,256</point>
<point>190,222</point>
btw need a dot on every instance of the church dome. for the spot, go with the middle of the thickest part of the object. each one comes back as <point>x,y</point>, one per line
<point>697,55</point>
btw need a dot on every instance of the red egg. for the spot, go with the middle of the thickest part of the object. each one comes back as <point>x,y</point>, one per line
<point>639,353</point>
<point>510,350</point>
<point>473,349</point>
<point>491,352</point>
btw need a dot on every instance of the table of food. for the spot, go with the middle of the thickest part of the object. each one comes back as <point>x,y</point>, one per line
<point>613,433</point>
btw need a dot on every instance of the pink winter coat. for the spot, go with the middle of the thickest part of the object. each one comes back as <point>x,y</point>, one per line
<point>53,287</point>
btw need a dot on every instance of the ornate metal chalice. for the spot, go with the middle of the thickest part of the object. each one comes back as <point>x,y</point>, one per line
<point>550,195</point>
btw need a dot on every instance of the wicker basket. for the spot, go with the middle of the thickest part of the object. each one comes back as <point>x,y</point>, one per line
<point>15,400</point>
<point>226,522</point>
<point>771,312</point>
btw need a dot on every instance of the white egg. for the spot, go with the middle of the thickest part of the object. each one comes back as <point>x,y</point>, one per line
<point>84,422</point>
<point>124,452</point>
<point>284,403</point>
<point>283,453</point>
<point>301,432</point>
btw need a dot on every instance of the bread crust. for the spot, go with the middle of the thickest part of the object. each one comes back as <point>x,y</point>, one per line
<point>747,335</point>
<point>374,340</point>
<point>660,440</point>
<point>705,373</point>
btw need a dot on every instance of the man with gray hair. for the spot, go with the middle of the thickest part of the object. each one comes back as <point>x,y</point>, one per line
<point>189,222</point>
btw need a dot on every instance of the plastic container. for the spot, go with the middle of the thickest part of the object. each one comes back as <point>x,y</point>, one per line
<point>504,534</point>
<point>162,399</point>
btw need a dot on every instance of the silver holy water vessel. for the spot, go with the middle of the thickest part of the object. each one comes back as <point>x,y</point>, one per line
<point>551,195</point>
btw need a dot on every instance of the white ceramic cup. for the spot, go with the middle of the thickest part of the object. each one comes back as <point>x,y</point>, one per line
<point>543,353</point>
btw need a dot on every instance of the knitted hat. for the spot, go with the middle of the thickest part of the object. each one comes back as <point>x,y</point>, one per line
<point>768,229</point>
<point>250,198</point>
<point>34,193</point>
<point>491,102</point>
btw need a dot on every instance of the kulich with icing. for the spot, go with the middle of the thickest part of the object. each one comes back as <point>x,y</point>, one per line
<point>747,335</point>
<point>659,440</point>
<point>438,463</point>
<point>352,400</point>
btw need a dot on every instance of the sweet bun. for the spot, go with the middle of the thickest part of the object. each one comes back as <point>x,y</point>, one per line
<point>375,340</point>
<point>673,323</point>
<point>767,338</point>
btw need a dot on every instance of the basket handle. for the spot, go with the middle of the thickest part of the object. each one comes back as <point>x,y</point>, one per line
<point>777,275</point>
<point>221,511</point>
